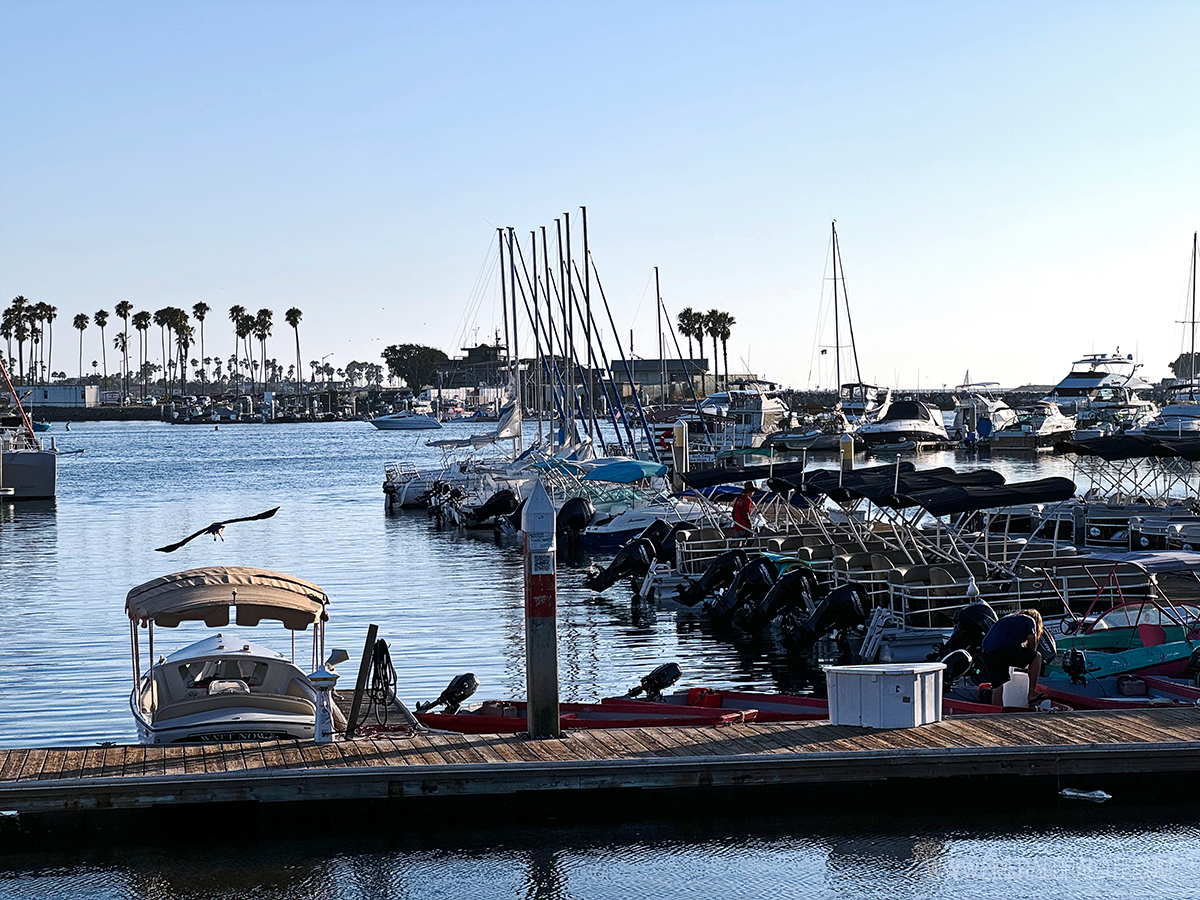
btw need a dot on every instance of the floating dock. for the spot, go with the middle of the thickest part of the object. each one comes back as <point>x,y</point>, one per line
<point>44,784</point>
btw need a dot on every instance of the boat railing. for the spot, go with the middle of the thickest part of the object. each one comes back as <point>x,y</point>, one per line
<point>401,473</point>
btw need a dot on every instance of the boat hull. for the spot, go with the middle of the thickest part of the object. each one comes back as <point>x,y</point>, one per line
<point>30,474</point>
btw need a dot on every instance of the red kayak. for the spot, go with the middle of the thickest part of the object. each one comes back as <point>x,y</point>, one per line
<point>508,716</point>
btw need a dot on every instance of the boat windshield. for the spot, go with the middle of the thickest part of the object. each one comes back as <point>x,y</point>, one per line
<point>202,672</point>
<point>1146,614</point>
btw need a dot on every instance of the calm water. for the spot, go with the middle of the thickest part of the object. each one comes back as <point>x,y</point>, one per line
<point>450,603</point>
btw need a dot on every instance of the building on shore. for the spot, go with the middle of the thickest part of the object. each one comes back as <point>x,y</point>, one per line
<point>66,395</point>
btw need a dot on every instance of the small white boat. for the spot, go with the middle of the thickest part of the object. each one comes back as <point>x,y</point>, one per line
<point>405,421</point>
<point>28,471</point>
<point>224,688</point>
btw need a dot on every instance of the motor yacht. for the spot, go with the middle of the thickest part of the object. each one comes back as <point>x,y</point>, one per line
<point>979,411</point>
<point>906,424</point>
<point>1039,427</point>
<point>405,421</point>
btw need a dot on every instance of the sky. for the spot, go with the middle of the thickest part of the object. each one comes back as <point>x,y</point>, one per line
<point>1014,184</point>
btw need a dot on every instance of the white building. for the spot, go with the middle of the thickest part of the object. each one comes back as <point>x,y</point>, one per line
<point>33,396</point>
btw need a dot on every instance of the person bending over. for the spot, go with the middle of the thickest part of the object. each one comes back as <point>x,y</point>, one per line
<point>1013,641</point>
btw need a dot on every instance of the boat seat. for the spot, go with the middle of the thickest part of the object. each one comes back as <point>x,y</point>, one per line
<point>943,583</point>
<point>785,544</point>
<point>853,562</point>
<point>1152,635</point>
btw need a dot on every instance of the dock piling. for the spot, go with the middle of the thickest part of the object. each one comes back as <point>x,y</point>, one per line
<point>541,615</point>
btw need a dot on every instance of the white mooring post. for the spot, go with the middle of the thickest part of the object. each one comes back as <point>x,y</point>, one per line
<point>541,615</point>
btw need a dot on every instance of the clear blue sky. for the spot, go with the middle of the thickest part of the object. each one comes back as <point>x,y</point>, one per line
<point>1014,183</point>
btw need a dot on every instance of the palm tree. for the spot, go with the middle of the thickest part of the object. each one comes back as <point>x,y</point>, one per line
<point>293,317</point>
<point>162,318</point>
<point>235,316</point>
<point>712,327</point>
<point>724,331</point>
<point>183,340</point>
<point>245,327</point>
<point>200,310</point>
<point>141,321</point>
<point>262,331</point>
<point>50,313</point>
<point>101,318</point>
<point>123,309</point>
<point>81,321</point>
<point>689,327</point>
<point>19,323</point>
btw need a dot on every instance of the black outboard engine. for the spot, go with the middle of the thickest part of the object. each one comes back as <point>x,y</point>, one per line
<point>1048,648</point>
<point>971,625</point>
<point>747,589</point>
<point>633,559</point>
<point>575,516</point>
<point>514,518</point>
<point>657,681</point>
<point>457,691</point>
<point>656,531</point>
<point>1075,665</point>
<point>958,663</point>
<point>842,608</point>
<point>718,574</point>
<point>796,591</point>
<point>501,503</point>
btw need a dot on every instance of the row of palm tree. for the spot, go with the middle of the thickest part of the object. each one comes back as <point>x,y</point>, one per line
<point>33,322</point>
<point>713,324</point>
<point>24,321</point>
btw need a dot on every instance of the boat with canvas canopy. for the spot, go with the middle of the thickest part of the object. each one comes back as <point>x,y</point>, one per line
<point>224,688</point>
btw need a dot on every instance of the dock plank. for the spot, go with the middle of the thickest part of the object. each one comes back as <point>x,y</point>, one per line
<point>12,765</point>
<point>73,764</point>
<point>33,765</point>
<point>173,760</point>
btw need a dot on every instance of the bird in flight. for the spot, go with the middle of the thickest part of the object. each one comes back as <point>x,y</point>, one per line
<point>216,529</point>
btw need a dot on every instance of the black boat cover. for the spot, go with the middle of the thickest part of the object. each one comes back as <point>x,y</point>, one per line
<point>1135,446</point>
<point>1156,562</point>
<point>708,477</point>
<point>952,499</point>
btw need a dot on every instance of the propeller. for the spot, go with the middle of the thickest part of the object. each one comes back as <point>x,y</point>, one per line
<point>216,529</point>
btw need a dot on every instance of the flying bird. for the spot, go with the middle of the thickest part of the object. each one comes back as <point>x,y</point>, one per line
<point>216,529</point>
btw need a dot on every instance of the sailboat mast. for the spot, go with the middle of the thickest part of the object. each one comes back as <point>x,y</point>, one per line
<point>516,339</point>
<point>549,324</point>
<point>837,335</point>
<point>1192,362</point>
<point>587,316</point>
<point>538,392</point>
<point>662,356</point>
<point>503,295</point>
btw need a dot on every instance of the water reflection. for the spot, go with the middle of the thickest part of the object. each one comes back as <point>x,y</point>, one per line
<point>825,853</point>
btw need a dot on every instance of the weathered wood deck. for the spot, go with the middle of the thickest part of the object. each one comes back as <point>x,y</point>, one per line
<point>1127,742</point>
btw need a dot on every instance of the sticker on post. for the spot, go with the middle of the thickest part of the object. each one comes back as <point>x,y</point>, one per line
<point>541,564</point>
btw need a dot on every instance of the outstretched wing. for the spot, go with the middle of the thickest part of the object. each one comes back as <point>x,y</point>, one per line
<point>261,515</point>
<point>171,548</point>
<point>214,527</point>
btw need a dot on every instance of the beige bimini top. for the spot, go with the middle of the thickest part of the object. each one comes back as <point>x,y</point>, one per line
<point>207,594</point>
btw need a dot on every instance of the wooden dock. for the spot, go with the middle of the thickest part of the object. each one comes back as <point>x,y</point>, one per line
<point>1147,742</point>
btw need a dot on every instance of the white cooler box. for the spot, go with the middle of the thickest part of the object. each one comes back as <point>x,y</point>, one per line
<point>897,695</point>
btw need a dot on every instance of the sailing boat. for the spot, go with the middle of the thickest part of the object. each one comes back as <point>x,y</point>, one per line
<point>858,403</point>
<point>1180,418</point>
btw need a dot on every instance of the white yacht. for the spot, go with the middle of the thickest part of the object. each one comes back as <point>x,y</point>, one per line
<point>1037,428</point>
<point>405,420</point>
<point>979,411</point>
<point>907,424</point>
<point>224,688</point>
<point>1105,394</point>
<point>1180,416</point>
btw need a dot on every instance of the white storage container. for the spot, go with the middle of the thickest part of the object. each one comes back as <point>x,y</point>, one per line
<point>896,695</point>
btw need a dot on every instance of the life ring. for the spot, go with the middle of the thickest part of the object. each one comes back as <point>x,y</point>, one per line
<point>666,440</point>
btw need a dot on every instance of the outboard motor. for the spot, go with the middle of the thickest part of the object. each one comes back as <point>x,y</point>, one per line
<point>958,663</point>
<point>656,531</point>
<point>514,518</point>
<point>1075,665</point>
<point>747,589</point>
<point>633,559</point>
<point>575,516</point>
<point>1048,648</point>
<point>457,691</point>
<point>971,625</point>
<point>843,608</point>
<point>719,573</point>
<point>795,591</point>
<point>501,503</point>
<point>657,681</point>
